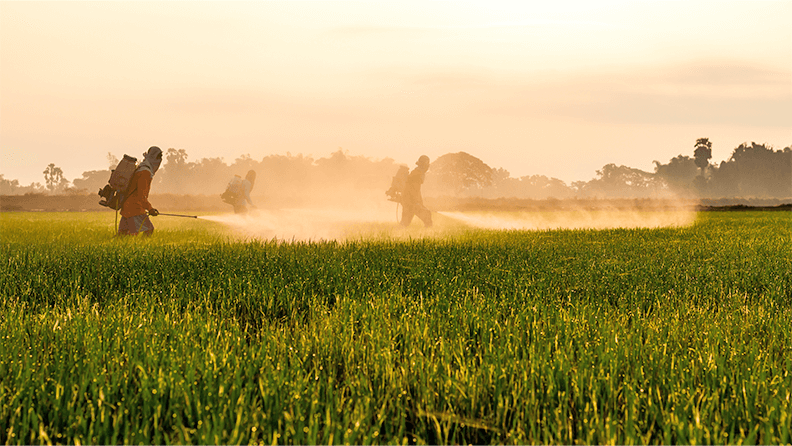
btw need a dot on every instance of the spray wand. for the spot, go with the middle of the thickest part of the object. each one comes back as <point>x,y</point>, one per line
<point>178,215</point>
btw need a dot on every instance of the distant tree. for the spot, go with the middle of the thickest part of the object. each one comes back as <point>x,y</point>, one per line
<point>92,180</point>
<point>243,164</point>
<point>12,187</point>
<point>175,157</point>
<point>53,178</point>
<point>352,172</point>
<point>176,175</point>
<point>725,180</point>
<point>536,187</point>
<point>503,185</point>
<point>621,182</point>
<point>678,174</point>
<point>336,166</point>
<point>288,174</point>
<point>499,175</point>
<point>457,173</point>
<point>541,187</point>
<point>8,187</point>
<point>702,153</point>
<point>288,170</point>
<point>755,171</point>
<point>209,176</point>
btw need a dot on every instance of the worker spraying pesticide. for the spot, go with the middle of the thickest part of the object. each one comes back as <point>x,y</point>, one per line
<point>406,190</point>
<point>136,209</point>
<point>128,191</point>
<point>237,193</point>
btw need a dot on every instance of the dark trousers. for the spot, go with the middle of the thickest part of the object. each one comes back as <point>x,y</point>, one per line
<point>138,224</point>
<point>416,210</point>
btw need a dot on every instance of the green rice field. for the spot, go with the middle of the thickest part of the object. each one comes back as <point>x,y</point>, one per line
<point>446,336</point>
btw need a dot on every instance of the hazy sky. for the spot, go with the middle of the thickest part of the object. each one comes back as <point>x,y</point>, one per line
<point>541,87</point>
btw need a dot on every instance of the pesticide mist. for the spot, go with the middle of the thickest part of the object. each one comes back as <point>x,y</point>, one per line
<point>345,202</point>
<point>306,224</point>
<point>577,219</point>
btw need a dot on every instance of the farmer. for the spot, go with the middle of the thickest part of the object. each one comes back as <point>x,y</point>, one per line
<point>238,190</point>
<point>136,209</point>
<point>412,202</point>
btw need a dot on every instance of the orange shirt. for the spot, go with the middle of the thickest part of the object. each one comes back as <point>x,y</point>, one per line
<point>137,203</point>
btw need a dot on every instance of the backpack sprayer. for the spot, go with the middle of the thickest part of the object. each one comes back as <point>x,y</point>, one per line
<point>115,192</point>
<point>396,190</point>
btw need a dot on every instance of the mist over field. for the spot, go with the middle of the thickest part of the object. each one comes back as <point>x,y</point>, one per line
<point>381,222</point>
<point>308,224</point>
<point>579,219</point>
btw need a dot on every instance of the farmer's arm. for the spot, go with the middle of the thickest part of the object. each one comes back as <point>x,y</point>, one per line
<point>144,185</point>
<point>247,193</point>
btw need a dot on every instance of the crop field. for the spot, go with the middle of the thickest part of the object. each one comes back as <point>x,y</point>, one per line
<point>679,334</point>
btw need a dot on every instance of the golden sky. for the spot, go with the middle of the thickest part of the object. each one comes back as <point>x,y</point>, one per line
<point>535,87</point>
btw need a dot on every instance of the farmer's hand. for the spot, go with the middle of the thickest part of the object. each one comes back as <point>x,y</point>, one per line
<point>153,212</point>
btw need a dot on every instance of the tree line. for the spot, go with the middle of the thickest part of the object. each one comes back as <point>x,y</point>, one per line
<point>752,171</point>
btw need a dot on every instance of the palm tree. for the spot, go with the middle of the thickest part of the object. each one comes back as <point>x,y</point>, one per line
<point>703,153</point>
<point>53,176</point>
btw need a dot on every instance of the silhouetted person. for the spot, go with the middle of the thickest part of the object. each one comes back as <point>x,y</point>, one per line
<point>412,201</point>
<point>237,193</point>
<point>136,209</point>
